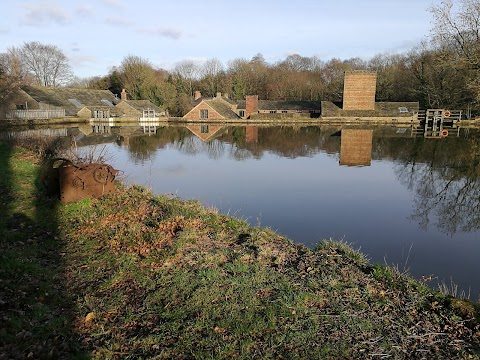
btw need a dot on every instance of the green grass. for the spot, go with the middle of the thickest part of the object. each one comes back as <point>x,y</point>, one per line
<point>137,276</point>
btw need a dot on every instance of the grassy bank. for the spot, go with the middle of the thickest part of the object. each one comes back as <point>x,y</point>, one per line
<point>134,275</point>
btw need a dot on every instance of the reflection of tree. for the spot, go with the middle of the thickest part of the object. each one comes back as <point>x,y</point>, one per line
<point>445,176</point>
<point>240,154</point>
<point>193,145</point>
<point>142,148</point>
<point>286,141</point>
<point>188,145</point>
<point>215,149</point>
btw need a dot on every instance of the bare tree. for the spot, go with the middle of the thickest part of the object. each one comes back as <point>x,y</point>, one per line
<point>211,73</point>
<point>46,63</point>
<point>8,86</point>
<point>459,29</point>
<point>456,30</point>
<point>11,63</point>
<point>185,72</point>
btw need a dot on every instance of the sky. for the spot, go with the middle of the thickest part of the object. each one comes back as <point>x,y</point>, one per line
<point>97,35</point>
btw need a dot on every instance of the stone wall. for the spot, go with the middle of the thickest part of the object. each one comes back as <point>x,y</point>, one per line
<point>127,109</point>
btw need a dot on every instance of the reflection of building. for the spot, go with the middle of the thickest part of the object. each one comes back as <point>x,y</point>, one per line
<point>356,147</point>
<point>251,134</point>
<point>125,133</point>
<point>206,132</point>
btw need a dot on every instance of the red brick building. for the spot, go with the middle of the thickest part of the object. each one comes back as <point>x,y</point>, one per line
<point>208,109</point>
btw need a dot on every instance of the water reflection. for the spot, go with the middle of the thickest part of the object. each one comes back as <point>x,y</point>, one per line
<point>443,174</point>
<point>206,132</point>
<point>356,147</point>
<point>382,188</point>
<point>445,179</point>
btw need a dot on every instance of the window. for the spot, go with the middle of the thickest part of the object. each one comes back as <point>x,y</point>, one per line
<point>204,129</point>
<point>203,113</point>
<point>402,109</point>
<point>284,111</point>
<point>77,103</point>
<point>273,111</point>
<point>107,102</point>
<point>241,113</point>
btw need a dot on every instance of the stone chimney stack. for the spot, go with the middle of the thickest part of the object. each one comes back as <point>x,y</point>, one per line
<point>123,95</point>
<point>251,105</point>
<point>198,95</point>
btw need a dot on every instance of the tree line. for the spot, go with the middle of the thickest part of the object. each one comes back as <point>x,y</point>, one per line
<point>441,72</point>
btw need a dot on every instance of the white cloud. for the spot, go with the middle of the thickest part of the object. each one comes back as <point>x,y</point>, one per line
<point>115,3</point>
<point>170,65</point>
<point>118,21</point>
<point>85,11</point>
<point>163,32</point>
<point>196,60</point>
<point>43,13</point>
<point>81,60</point>
<point>75,47</point>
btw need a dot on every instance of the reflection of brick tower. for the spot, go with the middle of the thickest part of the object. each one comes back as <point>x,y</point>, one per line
<point>251,134</point>
<point>359,90</point>
<point>251,105</point>
<point>356,147</point>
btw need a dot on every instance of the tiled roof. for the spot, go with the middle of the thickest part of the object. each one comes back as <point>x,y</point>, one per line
<point>70,99</point>
<point>143,105</point>
<point>393,106</point>
<point>283,105</point>
<point>330,109</point>
<point>222,108</point>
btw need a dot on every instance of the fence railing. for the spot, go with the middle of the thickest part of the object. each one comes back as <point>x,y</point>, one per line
<point>35,114</point>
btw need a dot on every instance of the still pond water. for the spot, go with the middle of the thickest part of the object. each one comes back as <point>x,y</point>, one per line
<point>400,198</point>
